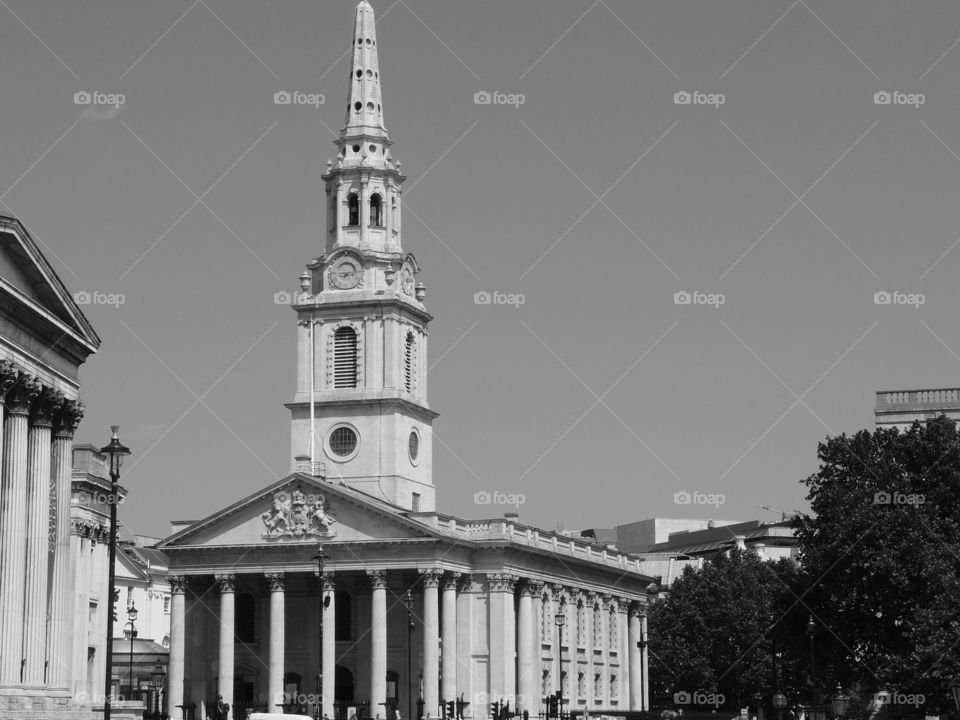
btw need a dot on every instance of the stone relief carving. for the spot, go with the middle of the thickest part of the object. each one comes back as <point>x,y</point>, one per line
<point>297,514</point>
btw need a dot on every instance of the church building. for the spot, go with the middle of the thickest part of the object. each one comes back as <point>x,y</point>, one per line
<point>340,589</point>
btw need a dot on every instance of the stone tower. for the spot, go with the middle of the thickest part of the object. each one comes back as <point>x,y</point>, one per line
<point>362,325</point>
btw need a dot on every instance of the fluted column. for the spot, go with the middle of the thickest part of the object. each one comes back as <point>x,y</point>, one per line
<point>38,535</point>
<point>502,643</point>
<point>378,642</point>
<point>178,644</point>
<point>528,668</point>
<point>448,638</point>
<point>328,654</point>
<point>636,663</point>
<point>13,527</point>
<point>227,597</point>
<point>60,638</point>
<point>276,644</point>
<point>431,640</point>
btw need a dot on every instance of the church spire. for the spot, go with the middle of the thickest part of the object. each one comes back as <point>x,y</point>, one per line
<point>364,111</point>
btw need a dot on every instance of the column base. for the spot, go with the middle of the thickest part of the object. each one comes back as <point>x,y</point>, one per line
<point>31,703</point>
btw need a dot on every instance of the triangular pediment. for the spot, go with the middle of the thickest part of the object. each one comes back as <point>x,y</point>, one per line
<point>299,509</point>
<point>38,294</point>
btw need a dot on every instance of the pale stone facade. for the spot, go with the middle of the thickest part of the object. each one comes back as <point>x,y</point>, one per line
<point>44,338</point>
<point>408,605</point>
<point>901,408</point>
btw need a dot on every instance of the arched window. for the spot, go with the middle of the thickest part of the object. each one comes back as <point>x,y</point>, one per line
<point>376,211</point>
<point>343,620</point>
<point>345,358</point>
<point>408,362</point>
<point>353,209</point>
<point>246,618</point>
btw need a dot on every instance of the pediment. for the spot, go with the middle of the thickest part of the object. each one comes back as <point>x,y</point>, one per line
<point>299,509</point>
<point>35,294</point>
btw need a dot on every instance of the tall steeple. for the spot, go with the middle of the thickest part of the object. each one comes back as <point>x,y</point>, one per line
<point>361,402</point>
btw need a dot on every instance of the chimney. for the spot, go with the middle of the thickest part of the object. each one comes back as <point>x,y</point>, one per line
<point>512,516</point>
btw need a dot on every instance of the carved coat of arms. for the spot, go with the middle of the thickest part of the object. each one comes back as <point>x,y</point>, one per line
<point>297,514</point>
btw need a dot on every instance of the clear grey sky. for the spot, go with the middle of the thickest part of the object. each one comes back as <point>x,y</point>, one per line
<point>598,198</point>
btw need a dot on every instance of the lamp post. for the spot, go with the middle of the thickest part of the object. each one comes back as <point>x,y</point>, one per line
<point>838,703</point>
<point>779,702</point>
<point>408,603</point>
<point>116,452</point>
<point>642,646</point>
<point>132,616</point>
<point>324,602</point>
<point>156,680</point>
<point>811,630</point>
<point>560,618</point>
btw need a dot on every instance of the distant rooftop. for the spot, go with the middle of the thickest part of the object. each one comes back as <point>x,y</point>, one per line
<point>903,407</point>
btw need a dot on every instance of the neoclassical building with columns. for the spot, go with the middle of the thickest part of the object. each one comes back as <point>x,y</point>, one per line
<point>44,338</point>
<point>340,586</point>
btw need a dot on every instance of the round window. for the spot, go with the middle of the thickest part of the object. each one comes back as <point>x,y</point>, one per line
<point>343,441</point>
<point>413,446</point>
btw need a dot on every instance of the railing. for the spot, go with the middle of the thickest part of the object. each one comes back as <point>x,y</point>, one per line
<point>912,399</point>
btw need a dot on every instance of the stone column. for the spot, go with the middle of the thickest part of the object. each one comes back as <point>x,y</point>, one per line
<point>502,643</point>
<point>13,527</point>
<point>590,599</point>
<point>364,211</point>
<point>60,643</point>
<point>38,536</point>
<point>378,643</point>
<point>277,630</point>
<point>178,640</point>
<point>623,650</point>
<point>448,637</point>
<point>431,641</point>
<point>227,629</point>
<point>328,654</point>
<point>528,665</point>
<point>636,663</point>
<point>643,661</point>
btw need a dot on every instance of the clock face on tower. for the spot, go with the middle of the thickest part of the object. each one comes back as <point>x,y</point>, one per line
<point>406,280</point>
<point>345,274</point>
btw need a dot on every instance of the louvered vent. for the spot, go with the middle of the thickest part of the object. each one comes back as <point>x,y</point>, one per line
<point>345,358</point>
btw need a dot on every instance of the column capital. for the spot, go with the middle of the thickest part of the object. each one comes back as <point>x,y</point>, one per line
<point>451,580</point>
<point>48,404</point>
<point>502,582</point>
<point>22,395</point>
<point>532,587</point>
<point>619,603</point>
<point>9,373</point>
<point>637,610</point>
<point>227,582</point>
<point>276,580</point>
<point>431,577</point>
<point>178,584</point>
<point>378,579</point>
<point>67,418</point>
<point>560,593</point>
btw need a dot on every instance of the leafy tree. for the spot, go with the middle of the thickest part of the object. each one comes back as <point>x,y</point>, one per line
<point>880,553</point>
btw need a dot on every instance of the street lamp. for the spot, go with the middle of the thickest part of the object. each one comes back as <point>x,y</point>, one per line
<point>811,630</point>
<point>779,702</point>
<point>642,645</point>
<point>838,703</point>
<point>320,559</point>
<point>408,603</point>
<point>116,452</point>
<point>132,616</point>
<point>560,618</point>
<point>156,680</point>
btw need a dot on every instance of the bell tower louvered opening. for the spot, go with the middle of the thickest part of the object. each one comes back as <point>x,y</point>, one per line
<point>345,358</point>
